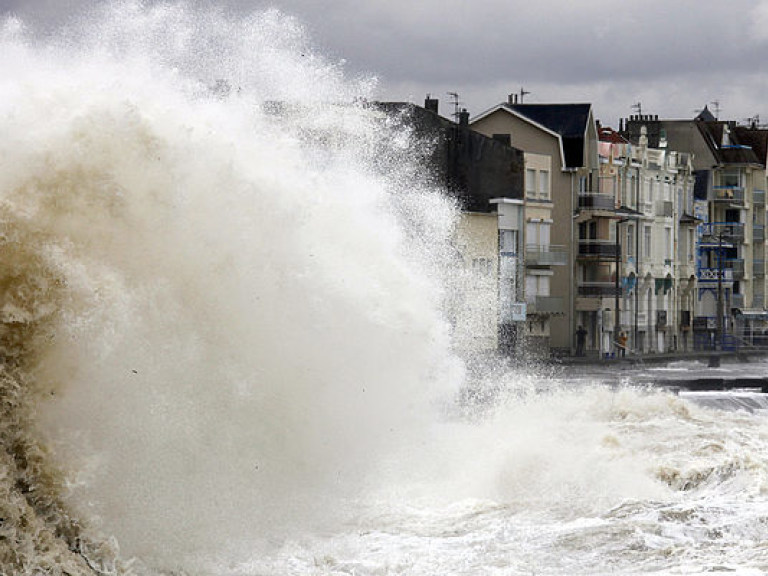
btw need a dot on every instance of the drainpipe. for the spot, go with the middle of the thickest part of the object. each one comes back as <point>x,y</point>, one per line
<point>571,269</point>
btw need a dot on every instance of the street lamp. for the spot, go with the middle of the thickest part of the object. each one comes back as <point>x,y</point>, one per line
<point>630,215</point>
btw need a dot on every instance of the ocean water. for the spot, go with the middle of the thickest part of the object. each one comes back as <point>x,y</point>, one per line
<point>222,288</point>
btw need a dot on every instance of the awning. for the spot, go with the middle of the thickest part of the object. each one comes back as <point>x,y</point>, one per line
<point>751,313</point>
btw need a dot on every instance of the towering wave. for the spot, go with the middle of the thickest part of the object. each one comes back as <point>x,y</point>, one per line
<point>221,281</point>
<point>216,309</point>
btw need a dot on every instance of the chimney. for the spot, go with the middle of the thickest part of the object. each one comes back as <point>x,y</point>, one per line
<point>463,117</point>
<point>431,103</point>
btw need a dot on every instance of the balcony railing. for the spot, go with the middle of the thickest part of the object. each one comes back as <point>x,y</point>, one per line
<point>546,255</point>
<point>711,274</point>
<point>728,231</point>
<point>758,268</point>
<point>598,248</point>
<point>737,300</point>
<point>546,305</point>
<point>729,194</point>
<point>597,201</point>
<point>758,300</point>
<point>758,197</point>
<point>598,289</point>
<point>758,233</point>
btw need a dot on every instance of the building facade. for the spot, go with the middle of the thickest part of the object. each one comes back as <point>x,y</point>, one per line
<point>563,137</point>
<point>729,169</point>
<point>485,297</point>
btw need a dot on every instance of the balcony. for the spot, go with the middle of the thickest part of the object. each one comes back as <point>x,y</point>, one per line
<point>600,249</point>
<point>758,268</point>
<point>733,195</point>
<point>598,289</point>
<point>665,209</point>
<point>546,305</point>
<point>758,197</point>
<point>758,233</point>
<point>728,231</point>
<point>711,275</point>
<point>545,255</point>
<point>597,201</point>
<point>737,300</point>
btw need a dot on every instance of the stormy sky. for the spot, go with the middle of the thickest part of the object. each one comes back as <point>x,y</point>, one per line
<point>671,56</point>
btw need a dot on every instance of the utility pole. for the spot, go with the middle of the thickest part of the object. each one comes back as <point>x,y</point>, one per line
<point>714,359</point>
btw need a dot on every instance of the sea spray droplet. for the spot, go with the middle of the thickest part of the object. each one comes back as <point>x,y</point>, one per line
<point>256,266</point>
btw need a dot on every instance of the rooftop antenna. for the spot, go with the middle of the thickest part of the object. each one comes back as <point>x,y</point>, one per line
<point>456,104</point>
<point>716,104</point>
<point>638,107</point>
<point>523,93</point>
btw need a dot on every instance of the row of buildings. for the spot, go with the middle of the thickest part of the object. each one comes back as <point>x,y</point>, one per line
<point>578,232</point>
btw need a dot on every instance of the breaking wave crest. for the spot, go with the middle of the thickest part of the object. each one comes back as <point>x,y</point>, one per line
<point>195,232</point>
<point>221,286</point>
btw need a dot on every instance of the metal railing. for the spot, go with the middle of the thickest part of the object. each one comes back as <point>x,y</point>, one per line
<point>758,233</point>
<point>546,255</point>
<point>546,305</point>
<point>598,289</point>
<point>758,197</point>
<point>599,248</point>
<point>728,231</point>
<point>728,194</point>
<point>597,201</point>
<point>712,274</point>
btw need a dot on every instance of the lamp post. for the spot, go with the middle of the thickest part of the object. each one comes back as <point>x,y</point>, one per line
<point>617,290</point>
<point>720,310</point>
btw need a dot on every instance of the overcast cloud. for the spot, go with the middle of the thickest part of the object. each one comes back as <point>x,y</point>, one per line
<point>672,56</point>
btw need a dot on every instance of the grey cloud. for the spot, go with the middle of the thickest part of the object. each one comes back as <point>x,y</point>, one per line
<point>595,50</point>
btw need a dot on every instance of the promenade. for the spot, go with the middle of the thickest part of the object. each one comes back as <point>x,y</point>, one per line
<point>693,370</point>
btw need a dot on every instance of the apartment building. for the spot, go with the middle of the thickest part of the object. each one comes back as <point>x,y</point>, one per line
<point>655,191</point>
<point>729,170</point>
<point>562,278</point>
<point>485,295</point>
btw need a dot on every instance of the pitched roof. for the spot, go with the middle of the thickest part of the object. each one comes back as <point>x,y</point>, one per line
<point>570,121</point>
<point>735,152</point>
<point>706,116</point>
<point>608,134</point>
<point>755,138</point>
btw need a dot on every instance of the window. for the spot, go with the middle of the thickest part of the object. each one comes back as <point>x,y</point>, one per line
<point>530,183</point>
<point>647,242</point>
<point>630,240</point>
<point>690,244</point>
<point>536,286</point>
<point>508,241</point>
<point>668,243</point>
<point>544,184</point>
<point>731,177</point>
<point>537,233</point>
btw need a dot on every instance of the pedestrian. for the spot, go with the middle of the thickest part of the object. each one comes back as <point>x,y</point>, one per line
<point>581,338</point>
<point>622,343</point>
